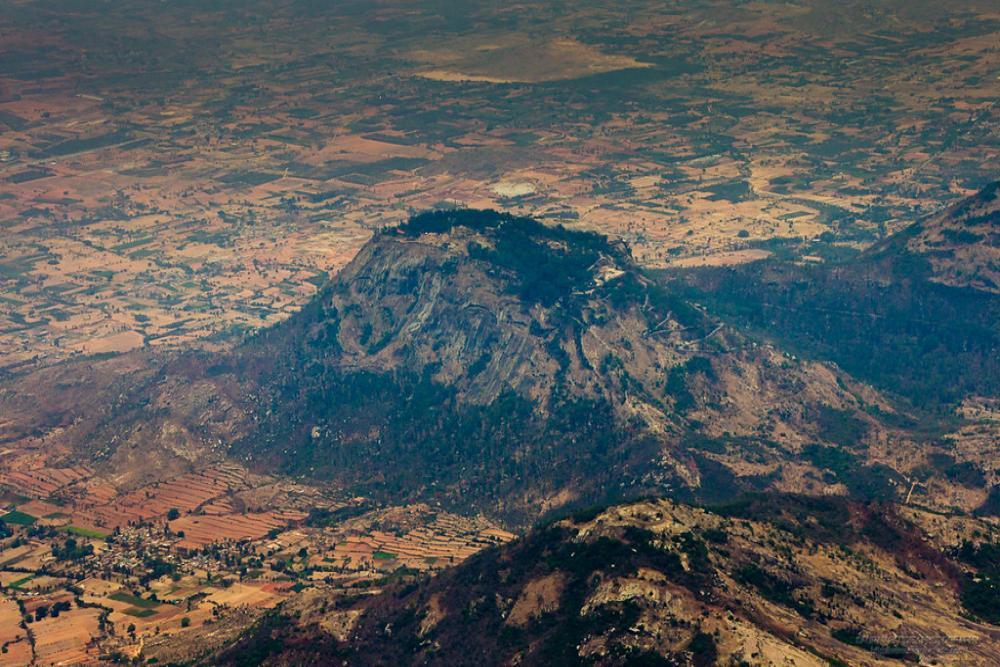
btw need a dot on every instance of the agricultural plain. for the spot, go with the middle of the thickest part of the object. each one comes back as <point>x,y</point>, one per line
<point>169,175</point>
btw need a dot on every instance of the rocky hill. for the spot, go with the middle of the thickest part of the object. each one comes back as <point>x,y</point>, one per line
<point>766,581</point>
<point>481,358</point>
<point>495,364</point>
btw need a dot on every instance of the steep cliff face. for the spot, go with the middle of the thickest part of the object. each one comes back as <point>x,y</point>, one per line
<point>505,304</point>
<point>515,367</point>
<point>423,303</point>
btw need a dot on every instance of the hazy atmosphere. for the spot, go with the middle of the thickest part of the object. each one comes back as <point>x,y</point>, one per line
<point>539,333</point>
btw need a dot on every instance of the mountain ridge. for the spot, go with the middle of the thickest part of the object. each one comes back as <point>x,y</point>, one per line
<point>915,315</point>
<point>961,243</point>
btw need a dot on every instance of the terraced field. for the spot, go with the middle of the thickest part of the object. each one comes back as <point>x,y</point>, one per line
<point>187,552</point>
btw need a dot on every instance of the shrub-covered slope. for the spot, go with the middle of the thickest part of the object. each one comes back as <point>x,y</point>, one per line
<point>763,581</point>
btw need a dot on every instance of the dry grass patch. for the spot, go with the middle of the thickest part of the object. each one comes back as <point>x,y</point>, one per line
<point>518,59</point>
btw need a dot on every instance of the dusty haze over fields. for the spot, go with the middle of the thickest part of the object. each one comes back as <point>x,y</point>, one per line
<point>176,170</point>
<point>543,332</point>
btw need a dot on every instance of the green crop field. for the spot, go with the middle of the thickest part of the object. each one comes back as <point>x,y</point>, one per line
<point>85,532</point>
<point>19,518</point>
<point>128,598</point>
<point>140,613</point>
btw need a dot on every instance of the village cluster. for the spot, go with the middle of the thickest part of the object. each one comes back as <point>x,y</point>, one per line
<point>86,571</point>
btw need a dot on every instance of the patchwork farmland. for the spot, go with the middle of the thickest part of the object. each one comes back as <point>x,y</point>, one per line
<point>151,211</point>
<point>95,571</point>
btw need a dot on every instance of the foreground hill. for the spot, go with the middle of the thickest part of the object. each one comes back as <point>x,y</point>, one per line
<point>763,581</point>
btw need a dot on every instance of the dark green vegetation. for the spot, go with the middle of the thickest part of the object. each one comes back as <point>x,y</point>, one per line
<point>524,252</point>
<point>678,381</point>
<point>16,518</point>
<point>72,551</point>
<point>869,482</point>
<point>931,343</point>
<point>773,588</point>
<point>963,473</point>
<point>981,591</point>
<point>542,274</point>
<point>991,506</point>
<point>135,601</point>
<point>552,265</point>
